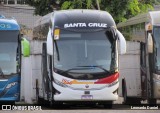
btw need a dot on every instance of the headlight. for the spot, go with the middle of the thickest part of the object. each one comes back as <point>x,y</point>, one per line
<point>11,85</point>
<point>113,83</point>
<point>157,77</point>
<point>60,83</point>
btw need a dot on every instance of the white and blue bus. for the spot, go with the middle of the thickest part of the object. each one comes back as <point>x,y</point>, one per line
<point>10,59</point>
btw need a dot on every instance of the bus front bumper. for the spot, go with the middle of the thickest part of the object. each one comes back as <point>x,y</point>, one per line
<point>105,94</point>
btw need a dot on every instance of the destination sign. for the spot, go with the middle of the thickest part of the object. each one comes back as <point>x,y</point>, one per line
<point>73,25</point>
<point>5,26</point>
<point>8,26</point>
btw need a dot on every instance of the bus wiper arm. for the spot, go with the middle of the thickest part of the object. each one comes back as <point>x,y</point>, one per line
<point>1,72</point>
<point>85,68</point>
<point>57,50</point>
<point>93,66</point>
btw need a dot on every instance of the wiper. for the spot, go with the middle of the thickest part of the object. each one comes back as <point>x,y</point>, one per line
<point>96,66</point>
<point>1,72</point>
<point>76,69</point>
<point>57,50</point>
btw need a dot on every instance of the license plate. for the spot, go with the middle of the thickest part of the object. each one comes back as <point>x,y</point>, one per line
<point>87,97</point>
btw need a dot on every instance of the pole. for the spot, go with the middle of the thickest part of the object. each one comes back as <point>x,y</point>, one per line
<point>98,4</point>
<point>15,2</point>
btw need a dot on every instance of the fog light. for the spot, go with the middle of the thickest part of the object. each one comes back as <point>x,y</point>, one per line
<point>57,92</point>
<point>115,92</point>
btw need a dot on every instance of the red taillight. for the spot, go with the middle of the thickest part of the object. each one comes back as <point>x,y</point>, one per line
<point>108,80</point>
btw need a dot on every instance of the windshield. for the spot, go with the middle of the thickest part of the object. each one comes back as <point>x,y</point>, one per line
<point>8,51</point>
<point>81,53</point>
<point>157,46</point>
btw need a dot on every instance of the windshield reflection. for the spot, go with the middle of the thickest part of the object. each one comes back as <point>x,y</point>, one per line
<point>84,53</point>
<point>157,46</point>
<point>8,52</point>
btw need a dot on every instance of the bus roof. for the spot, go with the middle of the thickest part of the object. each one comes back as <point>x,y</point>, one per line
<point>8,24</point>
<point>152,16</point>
<point>63,17</point>
<point>79,20</point>
<point>71,17</point>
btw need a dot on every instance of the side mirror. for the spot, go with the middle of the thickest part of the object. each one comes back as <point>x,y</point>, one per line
<point>25,47</point>
<point>49,43</point>
<point>122,43</point>
<point>150,43</point>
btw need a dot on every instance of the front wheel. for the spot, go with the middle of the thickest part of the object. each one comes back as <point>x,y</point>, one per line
<point>124,92</point>
<point>129,100</point>
<point>38,99</point>
<point>108,104</point>
<point>152,101</point>
<point>7,103</point>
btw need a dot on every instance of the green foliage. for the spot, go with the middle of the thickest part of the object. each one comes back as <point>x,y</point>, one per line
<point>119,9</point>
<point>157,2</point>
<point>112,6</point>
<point>136,7</point>
<point>42,6</point>
<point>77,4</point>
<point>127,36</point>
<point>66,5</point>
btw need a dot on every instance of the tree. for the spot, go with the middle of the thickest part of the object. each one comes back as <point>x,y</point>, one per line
<point>43,7</point>
<point>136,7</point>
<point>157,2</point>
<point>120,10</point>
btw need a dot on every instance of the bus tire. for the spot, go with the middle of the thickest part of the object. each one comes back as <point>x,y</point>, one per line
<point>37,91</point>
<point>152,101</point>
<point>7,103</point>
<point>108,105</point>
<point>124,92</point>
<point>38,99</point>
<point>129,100</point>
<point>57,105</point>
<point>44,73</point>
<point>11,103</point>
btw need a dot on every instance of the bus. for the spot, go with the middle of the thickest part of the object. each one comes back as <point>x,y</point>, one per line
<point>79,57</point>
<point>145,29</point>
<point>11,47</point>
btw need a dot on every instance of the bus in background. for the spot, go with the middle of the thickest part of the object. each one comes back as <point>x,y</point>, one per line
<point>79,57</point>
<point>145,29</point>
<point>10,59</point>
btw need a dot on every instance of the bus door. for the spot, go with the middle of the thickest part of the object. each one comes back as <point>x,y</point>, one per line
<point>143,70</point>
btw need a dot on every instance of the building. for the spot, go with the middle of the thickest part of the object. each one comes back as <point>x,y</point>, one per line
<point>18,9</point>
<point>12,2</point>
<point>23,13</point>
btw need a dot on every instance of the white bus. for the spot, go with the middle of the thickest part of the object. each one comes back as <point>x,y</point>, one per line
<point>145,29</point>
<point>79,58</point>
